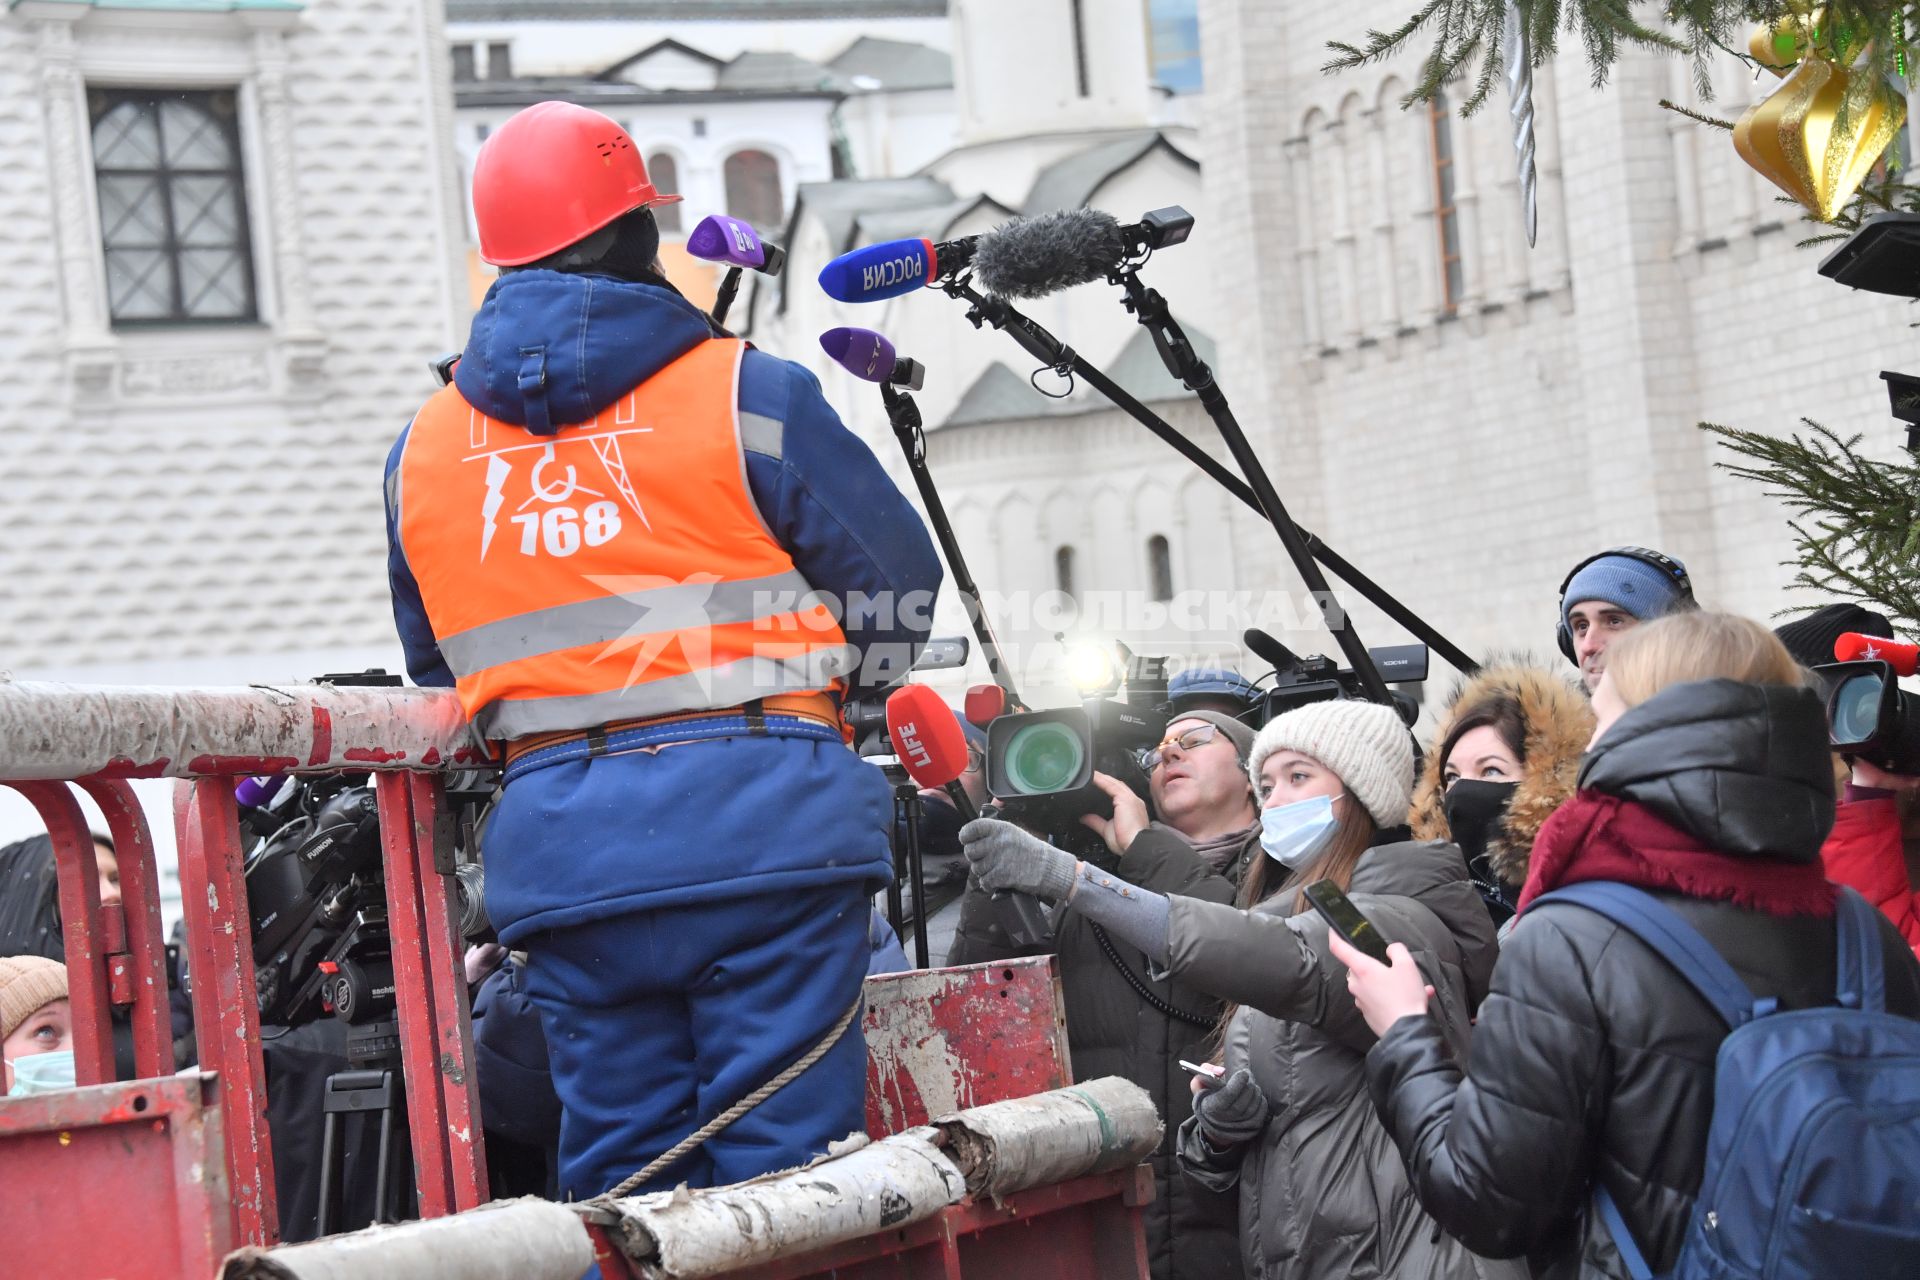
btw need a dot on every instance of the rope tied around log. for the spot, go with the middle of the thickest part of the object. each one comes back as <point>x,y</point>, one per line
<point>693,1141</point>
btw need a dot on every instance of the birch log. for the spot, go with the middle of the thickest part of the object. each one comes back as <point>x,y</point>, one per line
<point>1052,1137</point>
<point>683,1234</point>
<point>528,1239</point>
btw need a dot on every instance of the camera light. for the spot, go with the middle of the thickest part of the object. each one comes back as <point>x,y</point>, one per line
<point>1091,667</point>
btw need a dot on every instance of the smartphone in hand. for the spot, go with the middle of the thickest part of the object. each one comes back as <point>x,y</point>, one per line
<point>1212,1070</point>
<point>1337,909</point>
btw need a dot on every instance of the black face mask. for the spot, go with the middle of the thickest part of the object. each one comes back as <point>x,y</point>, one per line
<point>1474,813</point>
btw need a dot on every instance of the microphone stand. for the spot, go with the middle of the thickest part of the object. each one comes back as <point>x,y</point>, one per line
<point>904,414</point>
<point>1047,349</point>
<point>1184,363</point>
<point>724,296</point>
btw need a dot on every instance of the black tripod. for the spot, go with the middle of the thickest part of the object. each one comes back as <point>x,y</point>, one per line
<point>371,1086</point>
<point>1302,546</point>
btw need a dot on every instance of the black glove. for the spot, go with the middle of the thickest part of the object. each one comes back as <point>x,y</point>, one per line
<point>1232,1113</point>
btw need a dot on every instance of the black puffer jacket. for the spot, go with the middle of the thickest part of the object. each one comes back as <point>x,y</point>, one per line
<point>1592,1059</point>
<point>1113,1031</point>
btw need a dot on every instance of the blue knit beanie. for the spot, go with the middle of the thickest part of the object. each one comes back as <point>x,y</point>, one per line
<point>1634,586</point>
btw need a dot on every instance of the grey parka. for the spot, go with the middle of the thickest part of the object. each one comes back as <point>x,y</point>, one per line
<point>1323,1192</point>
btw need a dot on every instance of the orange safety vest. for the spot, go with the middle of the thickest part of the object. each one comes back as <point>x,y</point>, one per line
<point>615,570</point>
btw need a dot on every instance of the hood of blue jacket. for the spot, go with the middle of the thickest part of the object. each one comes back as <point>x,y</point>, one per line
<point>547,349</point>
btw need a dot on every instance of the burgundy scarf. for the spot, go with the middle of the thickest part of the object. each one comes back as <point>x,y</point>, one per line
<point>1601,837</point>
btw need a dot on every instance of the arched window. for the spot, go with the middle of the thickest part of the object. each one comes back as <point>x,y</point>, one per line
<point>1446,218</point>
<point>753,189</point>
<point>1160,567</point>
<point>664,173</point>
<point>1063,570</point>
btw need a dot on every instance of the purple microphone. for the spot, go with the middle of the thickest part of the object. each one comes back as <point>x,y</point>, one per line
<point>719,238</point>
<point>871,358</point>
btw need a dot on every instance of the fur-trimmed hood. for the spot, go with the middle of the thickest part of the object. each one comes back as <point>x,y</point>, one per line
<point>1559,724</point>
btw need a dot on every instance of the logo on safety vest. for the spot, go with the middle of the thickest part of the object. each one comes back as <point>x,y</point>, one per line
<point>560,513</point>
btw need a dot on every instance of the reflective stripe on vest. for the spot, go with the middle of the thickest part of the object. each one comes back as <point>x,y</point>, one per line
<point>615,570</point>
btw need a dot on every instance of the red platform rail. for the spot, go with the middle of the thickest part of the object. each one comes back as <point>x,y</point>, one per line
<point>96,737</point>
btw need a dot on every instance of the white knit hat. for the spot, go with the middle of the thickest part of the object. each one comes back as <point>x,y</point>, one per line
<point>1365,744</point>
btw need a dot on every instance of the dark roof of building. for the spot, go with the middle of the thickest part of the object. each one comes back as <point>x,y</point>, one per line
<point>688,10</point>
<point>896,64</point>
<point>603,93</point>
<point>841,205</point>
<point>932,221</point>
<point>613,72</point>
<point>1072,181</point>
<point>777,71</point>
<point>1000,394</point>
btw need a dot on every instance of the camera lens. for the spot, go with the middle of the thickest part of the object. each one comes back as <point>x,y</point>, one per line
<point>1856,709</point>
<point>1043,758</point>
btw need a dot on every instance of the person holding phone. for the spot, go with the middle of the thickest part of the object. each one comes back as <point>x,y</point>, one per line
<point>1708,785</point>
<point>1286,1121</point>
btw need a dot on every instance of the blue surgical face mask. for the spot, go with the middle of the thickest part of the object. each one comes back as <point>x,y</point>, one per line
<point>42,1073</point>
<point>1294,834</point>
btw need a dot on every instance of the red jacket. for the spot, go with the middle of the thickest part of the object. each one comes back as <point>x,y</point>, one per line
<point>1864,851</point>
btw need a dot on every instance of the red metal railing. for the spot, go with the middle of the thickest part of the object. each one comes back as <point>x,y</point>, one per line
<point>95,737</point>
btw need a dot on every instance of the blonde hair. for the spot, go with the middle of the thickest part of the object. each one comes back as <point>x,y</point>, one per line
<point>1697,645</point>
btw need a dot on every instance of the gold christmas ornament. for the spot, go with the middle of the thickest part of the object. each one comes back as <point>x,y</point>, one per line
<point>1797,35</point>
<point>1779,47</point>
<point>1817,136</point>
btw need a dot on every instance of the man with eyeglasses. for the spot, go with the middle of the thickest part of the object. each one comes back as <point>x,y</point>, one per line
<point>1120,1019</point>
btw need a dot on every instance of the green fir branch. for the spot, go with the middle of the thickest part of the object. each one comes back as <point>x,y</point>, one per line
<point>1461,30</point>
<point>1856,522</point>
<point>1712,122</point>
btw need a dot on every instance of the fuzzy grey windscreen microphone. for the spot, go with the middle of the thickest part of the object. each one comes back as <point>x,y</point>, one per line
<point>1033,257</point>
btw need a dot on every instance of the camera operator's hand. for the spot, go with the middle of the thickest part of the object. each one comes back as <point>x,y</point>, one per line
<point>1129,814</point>
<point>1005,857</point>
<point>1872,775</point>
<point>1233,1113</point>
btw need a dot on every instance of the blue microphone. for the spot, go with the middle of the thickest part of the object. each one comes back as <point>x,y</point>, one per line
<point>876,272</point>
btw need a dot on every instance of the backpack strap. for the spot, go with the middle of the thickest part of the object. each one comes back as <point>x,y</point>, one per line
<point>1862,966</point>
<point>1636,1262</point>
<point>1677,942</point>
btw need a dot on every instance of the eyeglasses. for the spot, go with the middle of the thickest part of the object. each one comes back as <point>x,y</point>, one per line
<point>1199,736</point>
<point>976,761</point>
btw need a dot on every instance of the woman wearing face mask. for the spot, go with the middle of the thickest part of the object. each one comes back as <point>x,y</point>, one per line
<point>1321,1189</point>
<point>36,1026</point>
<point>1505,758</point>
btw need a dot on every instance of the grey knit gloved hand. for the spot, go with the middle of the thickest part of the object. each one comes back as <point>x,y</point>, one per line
<point>1004,857</point>
<point>1233,1113</point>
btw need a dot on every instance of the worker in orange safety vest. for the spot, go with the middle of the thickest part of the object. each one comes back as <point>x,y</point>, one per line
<point>653,562</point>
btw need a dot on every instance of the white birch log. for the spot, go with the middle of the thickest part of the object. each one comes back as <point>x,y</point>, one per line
<point>527,1239</point>
<point>881,1186</point>
<point>1051,1137</point>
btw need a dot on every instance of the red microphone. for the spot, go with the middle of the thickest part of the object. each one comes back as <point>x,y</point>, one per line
<point>985,703</point>
<point>1853,647</point>
<point>930,743</point>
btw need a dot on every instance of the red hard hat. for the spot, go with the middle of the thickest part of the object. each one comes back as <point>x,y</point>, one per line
<point>552,175</point>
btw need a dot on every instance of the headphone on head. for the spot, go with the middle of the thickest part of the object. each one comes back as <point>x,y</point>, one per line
<point>1645,555</point>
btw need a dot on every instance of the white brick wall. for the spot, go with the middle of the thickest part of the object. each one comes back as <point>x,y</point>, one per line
<point>175,496</point>
<point>1469,464</point>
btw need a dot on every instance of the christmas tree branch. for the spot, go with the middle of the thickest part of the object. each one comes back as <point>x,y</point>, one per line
<point>1460,29</point>
<point>1857,531</point>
